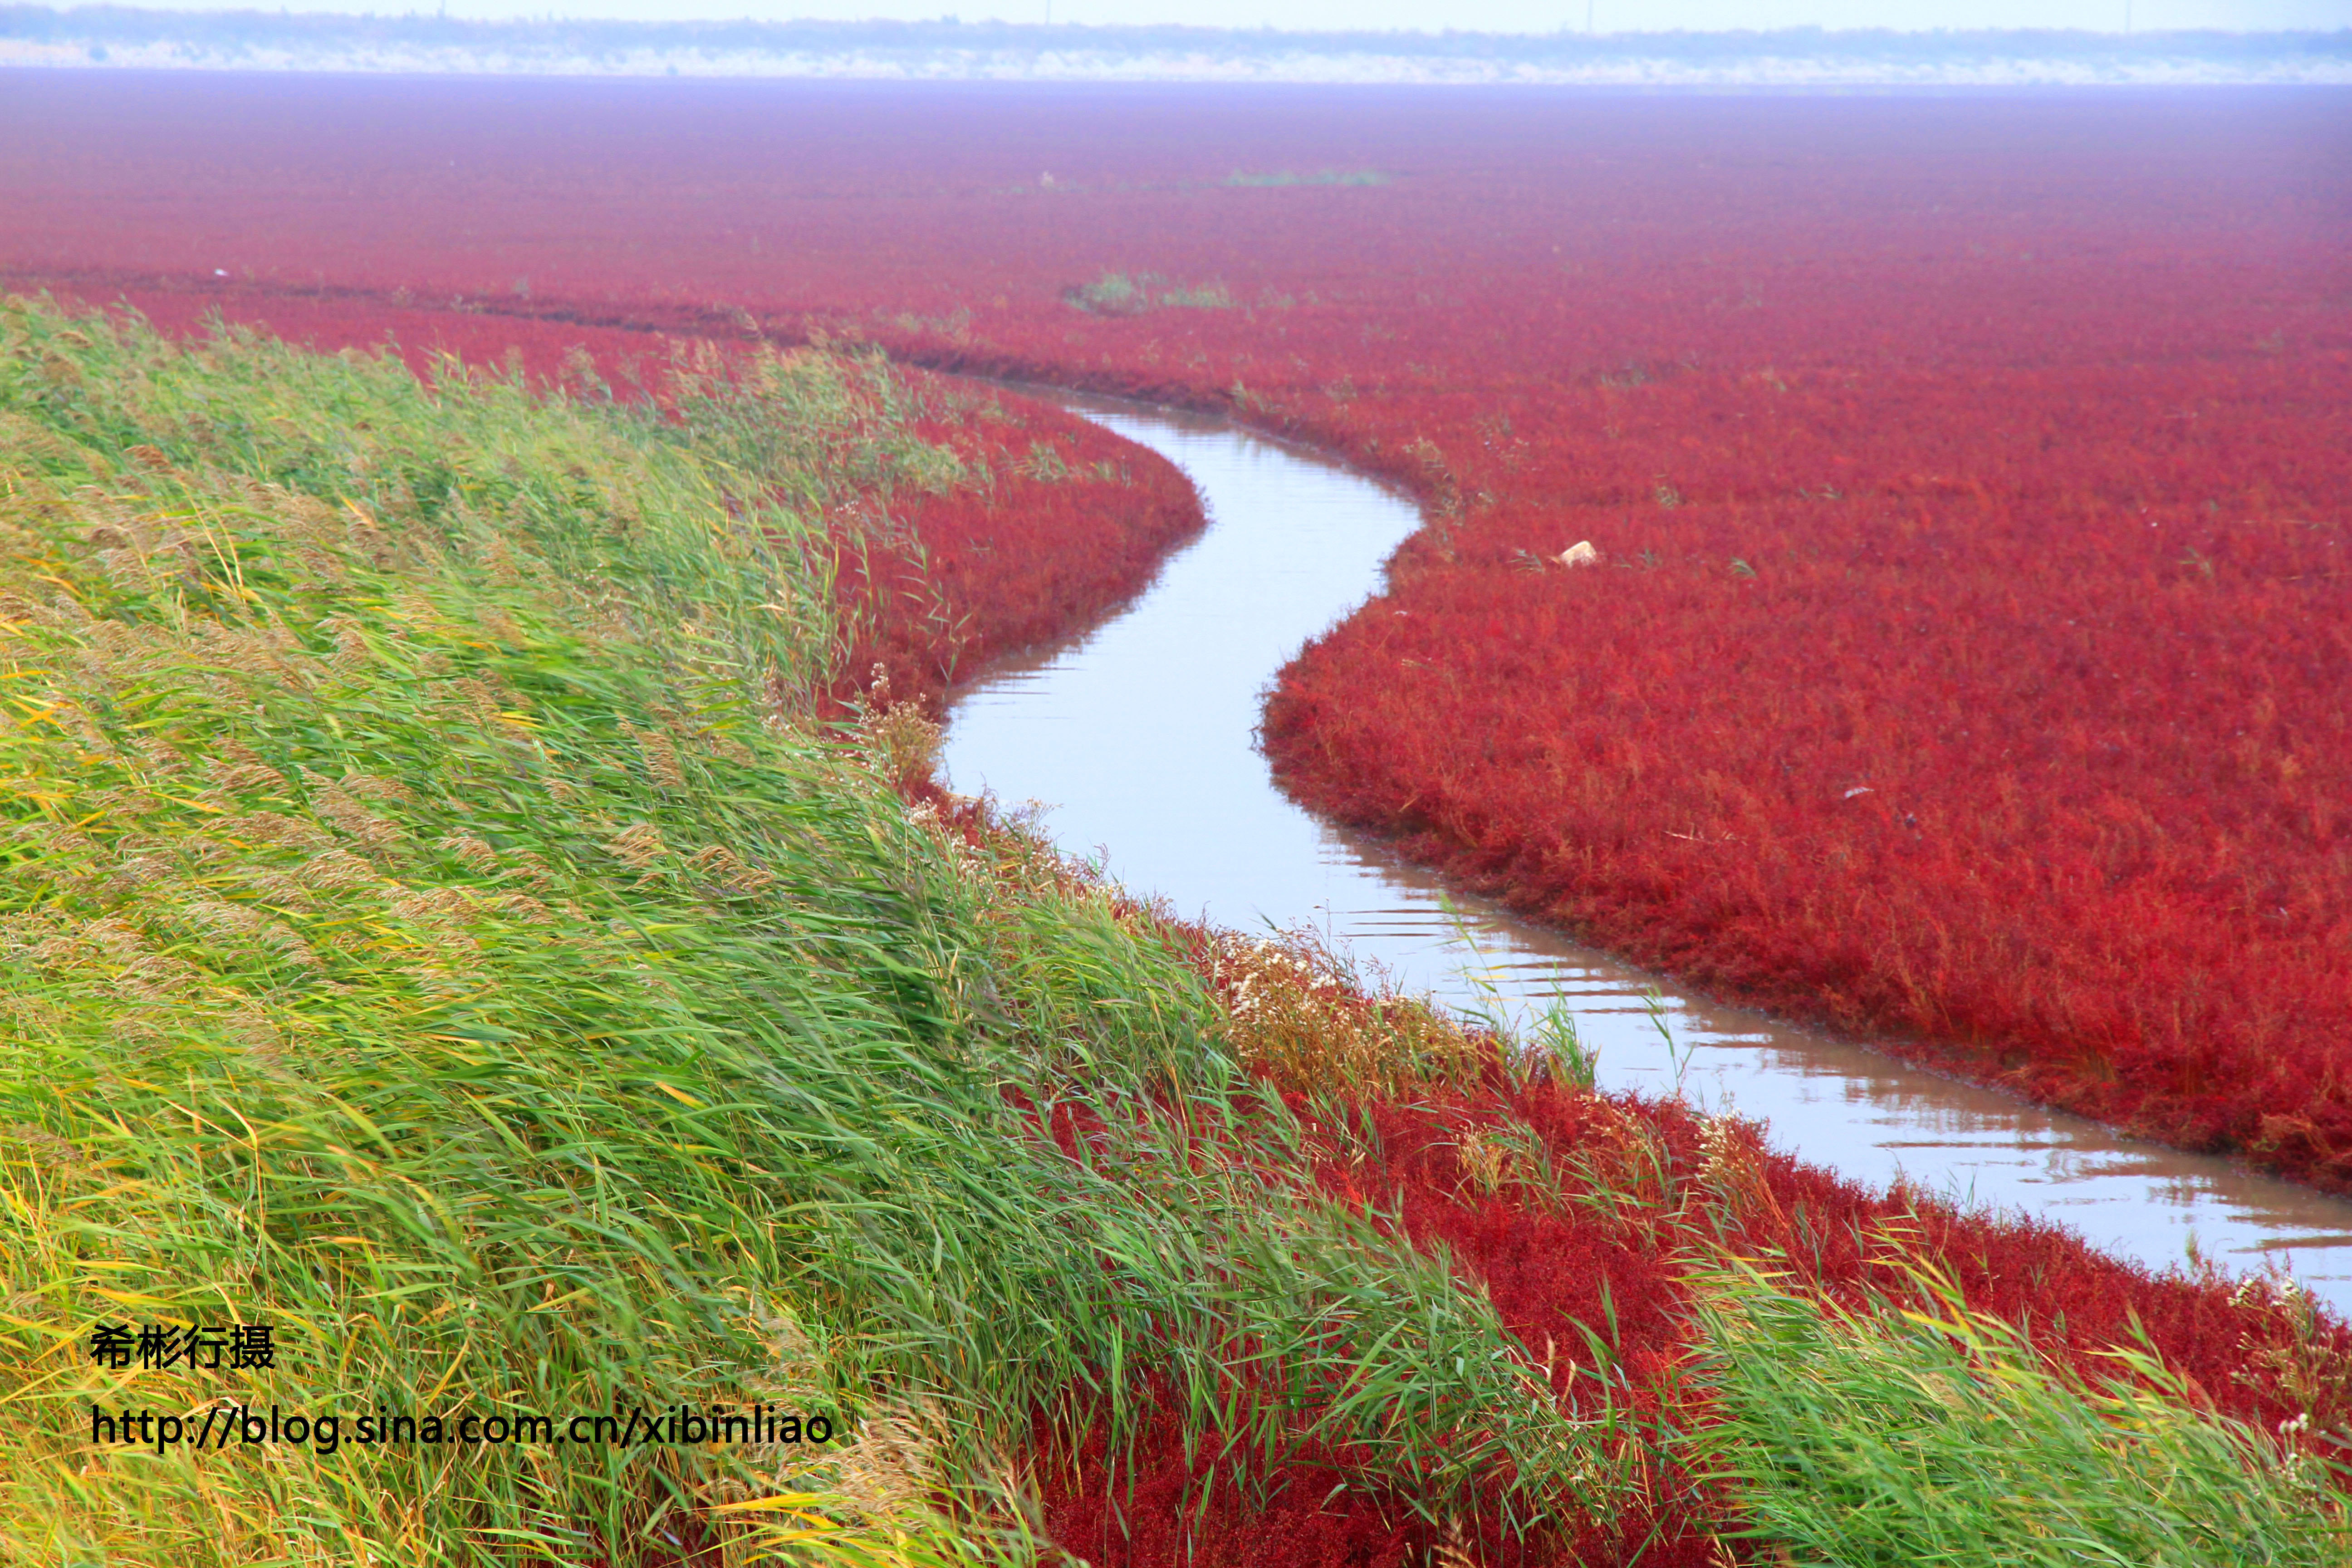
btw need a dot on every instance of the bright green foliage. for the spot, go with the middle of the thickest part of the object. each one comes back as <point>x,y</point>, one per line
<point>1122,294</point>
<point>1942,1437</point>
<point>408,913</point>
<point>425,926</point>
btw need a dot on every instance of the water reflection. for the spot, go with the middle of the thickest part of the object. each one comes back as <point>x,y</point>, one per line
<point>1137,737</point>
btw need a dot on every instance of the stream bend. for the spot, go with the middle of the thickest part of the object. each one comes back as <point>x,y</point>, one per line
<point>1138,735</point>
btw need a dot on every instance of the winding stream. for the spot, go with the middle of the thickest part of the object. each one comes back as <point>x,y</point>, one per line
<point>1138,738</point>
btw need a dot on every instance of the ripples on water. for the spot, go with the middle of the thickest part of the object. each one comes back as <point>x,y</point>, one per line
<point>1139,737</point>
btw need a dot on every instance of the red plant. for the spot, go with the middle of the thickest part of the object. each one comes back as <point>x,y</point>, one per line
<point>1601,1288</point>
<point>2032,765</point>
<point>1070,523</point>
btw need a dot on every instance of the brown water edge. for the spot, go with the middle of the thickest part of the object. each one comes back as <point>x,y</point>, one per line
<point>1138,735</point>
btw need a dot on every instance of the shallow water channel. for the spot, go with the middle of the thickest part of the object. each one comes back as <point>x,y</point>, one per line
<point>1137,736</point>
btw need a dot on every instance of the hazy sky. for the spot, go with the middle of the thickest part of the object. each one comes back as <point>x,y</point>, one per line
<point>1490,15</point>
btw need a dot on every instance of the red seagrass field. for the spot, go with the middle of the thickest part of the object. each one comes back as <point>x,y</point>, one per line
<point>1964,663</point>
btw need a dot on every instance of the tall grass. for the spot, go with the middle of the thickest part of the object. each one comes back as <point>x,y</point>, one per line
<point>409,911</point>
<point>1937,1434</point>
<point>427,931</point>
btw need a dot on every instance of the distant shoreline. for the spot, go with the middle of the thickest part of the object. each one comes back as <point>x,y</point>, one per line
<point>118,38</point>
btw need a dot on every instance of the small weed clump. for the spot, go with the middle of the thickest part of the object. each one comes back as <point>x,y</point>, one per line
<point>1301,1016</point>
<point>1122,294</point>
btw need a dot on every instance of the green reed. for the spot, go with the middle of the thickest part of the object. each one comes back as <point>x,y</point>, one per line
<point>1932,1433</point>
<point>432,924</point>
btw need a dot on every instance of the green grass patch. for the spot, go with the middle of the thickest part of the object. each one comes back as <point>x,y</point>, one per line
<point>1938,1434</point>
<point>1132,294</point>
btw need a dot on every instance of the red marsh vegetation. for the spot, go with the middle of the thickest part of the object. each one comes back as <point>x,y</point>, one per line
<point>1512,1180</point>
<point>1963,663</point>
<point>1068,522</point>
